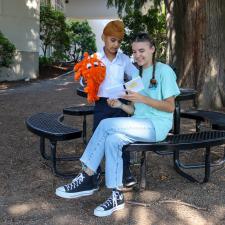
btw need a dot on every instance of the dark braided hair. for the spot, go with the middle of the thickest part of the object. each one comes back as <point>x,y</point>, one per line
<point>144,37</point>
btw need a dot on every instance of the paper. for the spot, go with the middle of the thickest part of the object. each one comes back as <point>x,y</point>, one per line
<point>135,85</point>
<point>117,91</point>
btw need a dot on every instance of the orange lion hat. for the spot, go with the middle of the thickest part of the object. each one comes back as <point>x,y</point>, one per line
<point>93,71</point>
<point>114,28</point>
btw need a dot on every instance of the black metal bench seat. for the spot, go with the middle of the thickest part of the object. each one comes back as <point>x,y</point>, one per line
<point>50,126</point>
<point>177,143</point>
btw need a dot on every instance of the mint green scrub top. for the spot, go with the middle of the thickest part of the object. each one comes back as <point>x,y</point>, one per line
<point>166,87</point>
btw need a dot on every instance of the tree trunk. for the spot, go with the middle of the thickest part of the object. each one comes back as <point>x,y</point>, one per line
<point>198,48</point>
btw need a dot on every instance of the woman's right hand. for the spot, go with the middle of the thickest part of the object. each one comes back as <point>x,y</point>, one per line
<point>114,103</point>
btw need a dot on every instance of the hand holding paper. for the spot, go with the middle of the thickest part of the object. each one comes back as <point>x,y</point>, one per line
<point>134,85</point>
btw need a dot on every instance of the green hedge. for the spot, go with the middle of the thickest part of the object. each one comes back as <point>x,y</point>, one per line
<point>7,51</point>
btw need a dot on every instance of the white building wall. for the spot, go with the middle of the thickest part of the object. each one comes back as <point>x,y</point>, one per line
<point>19,22</point>
<point>97,28</point>
<point>89,9</point>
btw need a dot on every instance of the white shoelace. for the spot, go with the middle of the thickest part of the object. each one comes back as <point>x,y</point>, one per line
<point>112,200</point>
<point>75,182</point>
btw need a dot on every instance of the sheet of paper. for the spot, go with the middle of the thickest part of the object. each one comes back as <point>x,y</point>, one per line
<point>135,85</point>
<point>117,91</point>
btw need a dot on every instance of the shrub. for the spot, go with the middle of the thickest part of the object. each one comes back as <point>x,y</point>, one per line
<point>7,51</point>
<point>53,32</point>
<point>45,61</point>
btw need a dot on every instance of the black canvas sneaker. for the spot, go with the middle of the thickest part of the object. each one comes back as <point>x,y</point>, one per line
<point>113,203</point>
<point>128,179</point>
<point>81,185</point>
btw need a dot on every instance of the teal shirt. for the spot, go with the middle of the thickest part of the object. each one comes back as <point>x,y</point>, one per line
<point>166,87</point>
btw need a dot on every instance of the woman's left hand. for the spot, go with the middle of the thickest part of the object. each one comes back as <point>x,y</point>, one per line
<point>134,97</point>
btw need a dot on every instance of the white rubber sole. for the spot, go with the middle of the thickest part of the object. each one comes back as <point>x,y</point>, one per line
<point>100,213</point>
<point>64,194</point>
<point>131,184</point>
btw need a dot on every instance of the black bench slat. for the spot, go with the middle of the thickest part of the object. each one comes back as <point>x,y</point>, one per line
<point>49,125</point>
<point>182,141</point>
<point>177,143</point>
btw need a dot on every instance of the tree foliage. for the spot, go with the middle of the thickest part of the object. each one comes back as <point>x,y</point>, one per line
<point>129,6</point>
<point>68,40</point>
<point>82,39</point>
<point>153,22</point>
<point>195,36</point>
<point>53,32</point>
<point>7,51</point>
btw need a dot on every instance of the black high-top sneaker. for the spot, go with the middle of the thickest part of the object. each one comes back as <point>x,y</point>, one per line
<point>81,185</point>
<point>113,203</point>
<point>128,179</point>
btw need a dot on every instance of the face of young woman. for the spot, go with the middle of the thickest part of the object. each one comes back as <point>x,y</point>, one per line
<point>142,53</point>
<point>112,44</point>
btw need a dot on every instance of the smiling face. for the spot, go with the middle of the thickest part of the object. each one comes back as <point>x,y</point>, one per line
<point>112,44</point>
<point>142,53</point>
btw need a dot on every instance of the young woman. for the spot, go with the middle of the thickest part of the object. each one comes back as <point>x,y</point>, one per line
<point>151,120</point>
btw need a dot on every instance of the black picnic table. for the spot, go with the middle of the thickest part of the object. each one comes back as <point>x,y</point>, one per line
<point>185,95</point>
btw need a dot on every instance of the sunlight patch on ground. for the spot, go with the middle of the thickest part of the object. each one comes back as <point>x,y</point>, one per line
<point>121,214</point>
<point>24,208</point>
<point>67,83</point>
<point>61,89</point>
<point>149,196</point>
<point>6,90</point>
<point>189,215</point>
<point>144,215</point>
<point>66,219</point>
<point>220,212</point>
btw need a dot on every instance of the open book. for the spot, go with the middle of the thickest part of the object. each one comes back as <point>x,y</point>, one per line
<point>117,91</point>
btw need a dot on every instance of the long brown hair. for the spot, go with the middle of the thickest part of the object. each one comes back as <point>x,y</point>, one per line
<point>144,37</point>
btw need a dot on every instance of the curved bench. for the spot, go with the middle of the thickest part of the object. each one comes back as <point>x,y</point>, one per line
<point>177,143</point>
<point>49,126</point>
<point>216,120</point>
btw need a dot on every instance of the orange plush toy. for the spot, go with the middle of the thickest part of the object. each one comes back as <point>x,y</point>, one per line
<point>93,71</point>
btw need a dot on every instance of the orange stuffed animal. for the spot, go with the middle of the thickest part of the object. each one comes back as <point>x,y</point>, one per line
<point>93,71</point>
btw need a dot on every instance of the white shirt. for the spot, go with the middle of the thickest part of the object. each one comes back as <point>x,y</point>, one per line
<point>115,71</point>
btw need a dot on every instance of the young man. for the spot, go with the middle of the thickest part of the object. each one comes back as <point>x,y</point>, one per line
<point>117,65</point>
